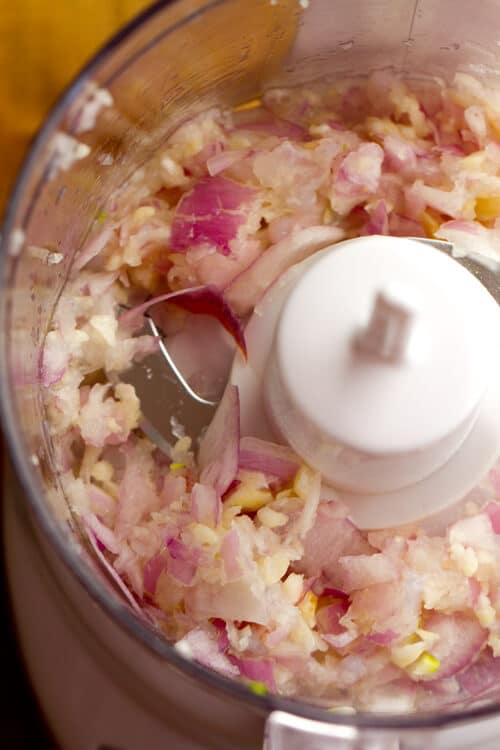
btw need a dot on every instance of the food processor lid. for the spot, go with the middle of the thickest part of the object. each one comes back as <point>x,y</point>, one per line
<point>376,361</point>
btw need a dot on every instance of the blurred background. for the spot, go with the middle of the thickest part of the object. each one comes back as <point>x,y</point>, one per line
<point>43,45</point>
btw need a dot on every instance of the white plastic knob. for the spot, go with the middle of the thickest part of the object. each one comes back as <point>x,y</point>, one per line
<point>387,335</point>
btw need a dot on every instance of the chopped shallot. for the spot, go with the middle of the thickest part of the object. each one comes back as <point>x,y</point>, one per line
<point>269,458</point>
<point>247,289</point>
<point>461,638</point>
<point>202,646</point>
<point>231,546</point>
<point>219,449</point>
<point>199,300</point>
<point>213,212</point>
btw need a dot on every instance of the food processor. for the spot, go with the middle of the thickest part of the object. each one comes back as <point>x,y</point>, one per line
<point>105,679</point>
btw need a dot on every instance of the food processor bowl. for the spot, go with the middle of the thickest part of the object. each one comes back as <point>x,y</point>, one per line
<point>176,60</point>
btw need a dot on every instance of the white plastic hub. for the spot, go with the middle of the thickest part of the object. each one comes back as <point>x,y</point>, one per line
<point>387,335</point>
<point>378,361</point>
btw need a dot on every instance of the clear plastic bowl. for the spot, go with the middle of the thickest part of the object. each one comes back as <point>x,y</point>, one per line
<point>175,60</point>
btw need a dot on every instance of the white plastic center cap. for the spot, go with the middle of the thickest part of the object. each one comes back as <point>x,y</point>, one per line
<point>381,356</point>
<point>378,361</point>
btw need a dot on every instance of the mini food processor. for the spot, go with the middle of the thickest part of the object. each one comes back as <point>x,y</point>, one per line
<point>104,677</point>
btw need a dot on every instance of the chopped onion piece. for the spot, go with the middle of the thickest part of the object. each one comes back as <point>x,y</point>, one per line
<point>268,458</point>
<point>493,511</point>
<point>461,638</point>
<point>260,670</point>
<point>203,648</point>
<point>202,300</point>
<point>247,289</point>
<point>94,248</point>
<point>152,571</point>
<point>205,505</point>
<point>114,575</point>
<point>212,211</point>
<point>229,553</point>
<point>182,561</point>
<point>359,571</point>
<point>481,676</point>
<point>218,456</point>
<point>225,160</point>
